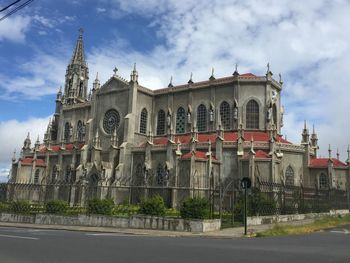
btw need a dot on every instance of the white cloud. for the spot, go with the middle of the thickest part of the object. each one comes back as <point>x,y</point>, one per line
<point>100,10</point>
<point>12,136</point>
<point>14,28</point>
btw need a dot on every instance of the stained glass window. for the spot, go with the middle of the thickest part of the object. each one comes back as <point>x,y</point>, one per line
<point>180,120</point>
<point>66,131</point>
<point>161,122</point>
<point>202,118</point>
<point>225,113</point>
<point>111,121</point>
<point>252,115</point>
<point>143,121</point>
<point>323,181</point>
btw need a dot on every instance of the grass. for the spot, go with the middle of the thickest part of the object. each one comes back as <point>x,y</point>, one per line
<point>319,224</point>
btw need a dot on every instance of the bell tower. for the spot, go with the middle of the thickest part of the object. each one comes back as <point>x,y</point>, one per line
<point>77,75</point>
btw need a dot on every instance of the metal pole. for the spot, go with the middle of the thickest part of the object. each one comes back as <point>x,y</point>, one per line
<point>245,208</point>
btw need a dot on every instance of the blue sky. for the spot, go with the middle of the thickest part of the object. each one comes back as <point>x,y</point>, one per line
<point>306,41</point>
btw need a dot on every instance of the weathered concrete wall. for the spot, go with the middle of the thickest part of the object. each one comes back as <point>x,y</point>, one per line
<point>137,221</point>
<point>260,220</point>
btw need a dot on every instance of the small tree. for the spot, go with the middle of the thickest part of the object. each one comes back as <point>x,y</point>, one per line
<point>100,207</point>
<point>195,208</point>
<point>153,206</point>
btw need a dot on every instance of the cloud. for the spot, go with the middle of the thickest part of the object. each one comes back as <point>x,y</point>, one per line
<point>12,136</point>
<point>14,28</point>
<point>100,10</point>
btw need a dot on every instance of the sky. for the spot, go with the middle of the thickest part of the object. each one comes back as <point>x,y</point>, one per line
<point>306,41</point>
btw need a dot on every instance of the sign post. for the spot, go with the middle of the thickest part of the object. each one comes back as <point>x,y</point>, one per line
<point>245,183</point>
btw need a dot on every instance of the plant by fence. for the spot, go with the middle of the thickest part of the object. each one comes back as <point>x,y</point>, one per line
<point>56,207</point>
<point>195,208</point>
<point>153,206</point>
<point>100,206</point>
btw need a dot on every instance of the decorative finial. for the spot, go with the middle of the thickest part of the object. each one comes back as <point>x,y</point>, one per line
<point>190,81</point>
<point>268,67</point>
<point>96,77</point>
<point>212,74</point>
<point>338,155</point>
<point>329,151</point>
<point>171,82</point>
<point>135,66</point>
<point>235,73</point>
<point>280,78</point>
<point>81,31</point>
<point>115,70</point>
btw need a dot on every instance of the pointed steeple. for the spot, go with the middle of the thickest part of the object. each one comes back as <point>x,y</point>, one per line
<point>348,160</point>
<point>96,85</point>
<point>27,142</point>
<point>305,134</point>
<point>329,152</point>
<point>190,81</point>
<point>134,75</point>
<point>79,54</point>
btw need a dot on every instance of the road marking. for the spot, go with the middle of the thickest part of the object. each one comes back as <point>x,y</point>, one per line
<point>112,234</point>
<point>20,237</point>
<point>345,231</point>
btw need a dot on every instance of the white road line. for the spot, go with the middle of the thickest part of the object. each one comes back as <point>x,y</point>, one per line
<point>112,234</point>
<point>20,237</point>
<point>341,232</point>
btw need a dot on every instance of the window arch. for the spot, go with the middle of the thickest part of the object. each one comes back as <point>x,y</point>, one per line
<point>161,122</point>
<point>252,115</point>
<point>80,130</point>
<point>36,176</point>
<point>160,174</point>
<point>67,131</point>
<point>180,120</point>
<point>323,181</point>
<point>201,118</point>
<point>143,121</point>
<point>289,176</point>
<point>274,114</point>
<point>225,114</point>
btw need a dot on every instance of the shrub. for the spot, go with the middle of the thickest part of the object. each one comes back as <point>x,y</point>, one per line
<point>21,207</point>
<point>4,207</point>
<point>56,207</point>
<point>100,206</point>
<point>195,208</point>
<point>153,206</point>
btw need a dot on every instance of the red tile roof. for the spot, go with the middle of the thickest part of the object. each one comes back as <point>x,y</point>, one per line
<point>228,136</point>
<point>29,161</point>
<point>323,162</point>
<point>197,155</point>
<point>259,154</point>
<point>248,75</point>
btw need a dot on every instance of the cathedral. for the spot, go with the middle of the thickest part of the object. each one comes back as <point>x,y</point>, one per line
<point>125,141</point>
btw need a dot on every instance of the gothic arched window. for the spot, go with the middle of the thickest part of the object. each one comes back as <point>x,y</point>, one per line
<point>323,181</point>
<point>289,175</point>
<point>160,174</point>
<point>143,121</point>
<point>161,122</point>
<point>274,114</point>
<point>36,176</point>
<point>252,115</point>
<point>201,118</point>
<point>67,131</point>
<point>225,114</point>
<point>180,120</point>
<point>81,131</point>
<point>68,176</point>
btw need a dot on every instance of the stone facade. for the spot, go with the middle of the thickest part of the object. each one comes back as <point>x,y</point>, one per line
<point>125,141</point>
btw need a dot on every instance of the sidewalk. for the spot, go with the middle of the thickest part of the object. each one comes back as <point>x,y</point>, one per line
<point>236,232</point>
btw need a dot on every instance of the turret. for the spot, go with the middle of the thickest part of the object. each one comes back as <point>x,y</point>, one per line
<point>314,141</point>
<point>27,144</point>
<point>134,75</point>
<point>305,135</point>
<point>96,85</point>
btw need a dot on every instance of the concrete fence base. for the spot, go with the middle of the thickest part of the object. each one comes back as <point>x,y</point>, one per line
<point>136,221</point>
<point>261,220</point>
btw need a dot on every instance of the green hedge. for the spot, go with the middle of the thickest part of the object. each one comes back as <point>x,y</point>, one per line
<point>56,207</point>
<point>100,206</point>
<point>20,207</point>
<point>153,206</point>
<point>195,208</point>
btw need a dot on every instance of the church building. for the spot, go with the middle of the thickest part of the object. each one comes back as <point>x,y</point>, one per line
<point>125,141</point>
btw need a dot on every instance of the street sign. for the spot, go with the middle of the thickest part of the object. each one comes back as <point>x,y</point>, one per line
<point>246,183</point>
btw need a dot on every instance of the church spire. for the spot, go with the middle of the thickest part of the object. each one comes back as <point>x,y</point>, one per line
<point>79,54</point>
<point>77,74</point>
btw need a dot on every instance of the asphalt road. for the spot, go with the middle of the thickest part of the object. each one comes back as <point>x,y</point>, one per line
<point>34,245</point>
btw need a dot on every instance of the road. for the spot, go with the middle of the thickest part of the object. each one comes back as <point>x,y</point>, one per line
<point>34,245</point>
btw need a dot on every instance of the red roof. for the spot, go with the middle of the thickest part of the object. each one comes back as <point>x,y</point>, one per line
<point>57,148</point>
<point>197,155</point>
<point>248,75</point>
<point>259,154</point>
<point>29,161</point>
<point>228,136</point>
<point>323,162</point>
